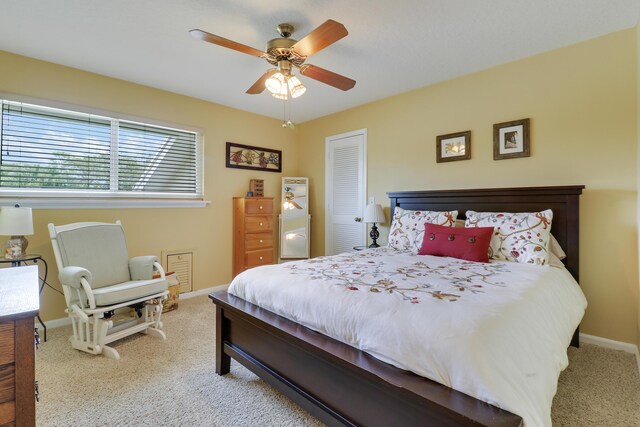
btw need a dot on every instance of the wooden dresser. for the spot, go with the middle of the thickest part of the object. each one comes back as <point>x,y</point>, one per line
<point>19,304</point>
<point>253,226</point>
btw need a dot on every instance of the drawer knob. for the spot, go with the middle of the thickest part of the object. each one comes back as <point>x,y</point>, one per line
<point>260,206</point>
<point>260,258</point>
<point>260,224</point>
<point>261,241</point>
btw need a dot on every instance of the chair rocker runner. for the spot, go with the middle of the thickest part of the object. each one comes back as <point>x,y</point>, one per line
<point>98,278</point>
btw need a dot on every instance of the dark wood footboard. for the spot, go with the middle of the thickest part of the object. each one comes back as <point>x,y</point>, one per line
<point>338,384</point>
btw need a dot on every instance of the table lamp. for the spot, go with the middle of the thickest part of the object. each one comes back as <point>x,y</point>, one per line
<point>16,222</point>
<point>374,214</point>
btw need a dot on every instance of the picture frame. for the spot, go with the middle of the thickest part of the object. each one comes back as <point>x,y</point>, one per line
<point>240,156</point>
<point>453,147</point>
<point>511,140</point>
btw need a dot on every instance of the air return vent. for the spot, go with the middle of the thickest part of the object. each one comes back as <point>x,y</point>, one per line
<point>182,263</point>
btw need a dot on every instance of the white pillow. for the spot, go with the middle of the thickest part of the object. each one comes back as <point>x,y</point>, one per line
<point>520,237</point>
<point>407,227</point>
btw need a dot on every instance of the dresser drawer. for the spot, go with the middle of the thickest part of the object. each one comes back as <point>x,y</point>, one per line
<point>257,224</point>
<point>258,206</point>
<point>6,343</point>
<point>7,383</point>
<point>255,258</point>
<point>8,413</point>
<point>258,241</point>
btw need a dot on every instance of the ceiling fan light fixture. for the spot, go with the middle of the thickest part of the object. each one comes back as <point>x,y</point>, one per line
<point>283,93</point>
<point>275,83</point>
<point>296,88</point>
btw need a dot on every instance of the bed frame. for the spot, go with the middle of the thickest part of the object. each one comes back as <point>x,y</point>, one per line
<point>341,385</point>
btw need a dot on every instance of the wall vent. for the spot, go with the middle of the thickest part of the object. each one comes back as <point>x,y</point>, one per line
<point>182,263</point>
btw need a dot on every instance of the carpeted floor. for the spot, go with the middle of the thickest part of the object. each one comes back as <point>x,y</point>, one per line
<point>173,383</point>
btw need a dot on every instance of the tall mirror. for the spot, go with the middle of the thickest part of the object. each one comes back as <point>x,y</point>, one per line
<point>295,218</point>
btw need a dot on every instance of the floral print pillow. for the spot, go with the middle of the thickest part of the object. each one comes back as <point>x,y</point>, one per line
<point>407,227</point>
<point>519,237</point>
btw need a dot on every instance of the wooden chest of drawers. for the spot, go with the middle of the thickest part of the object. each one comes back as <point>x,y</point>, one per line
<point>19,303</point>
<point>253,227</point>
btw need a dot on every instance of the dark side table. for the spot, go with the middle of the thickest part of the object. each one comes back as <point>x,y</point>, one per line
<point>31,259</point>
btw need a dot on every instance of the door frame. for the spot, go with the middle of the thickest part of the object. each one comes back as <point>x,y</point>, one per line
<point>328,182</point>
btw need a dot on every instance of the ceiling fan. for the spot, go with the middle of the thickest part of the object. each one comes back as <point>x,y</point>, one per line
<point>286,53</point>
<point>289,203</point>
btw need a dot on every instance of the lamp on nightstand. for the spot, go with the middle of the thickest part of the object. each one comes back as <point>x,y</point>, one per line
<point>374,215</point>
<point>16,222</point>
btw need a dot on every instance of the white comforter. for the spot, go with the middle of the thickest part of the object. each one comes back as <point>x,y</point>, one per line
<point>498,332</point>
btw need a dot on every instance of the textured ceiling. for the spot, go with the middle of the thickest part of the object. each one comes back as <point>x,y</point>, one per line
<point>392,46</point>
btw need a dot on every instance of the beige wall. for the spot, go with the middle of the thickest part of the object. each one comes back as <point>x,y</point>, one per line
<point>206,230</point>
<point>638,151</point>
<point>582,103</point>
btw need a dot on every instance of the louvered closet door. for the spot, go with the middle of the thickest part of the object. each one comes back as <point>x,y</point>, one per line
<point>345,192</point>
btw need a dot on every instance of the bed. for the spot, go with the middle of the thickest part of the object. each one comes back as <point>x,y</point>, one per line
<point>342,385</point>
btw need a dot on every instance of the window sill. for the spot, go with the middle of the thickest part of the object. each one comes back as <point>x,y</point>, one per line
<point>101,203</point>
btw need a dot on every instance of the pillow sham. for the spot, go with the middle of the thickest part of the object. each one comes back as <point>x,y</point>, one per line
<point>556,249</point>
<point>471,244</point>
<point>554,261</point>
<point>520,237</point>
<point>407,227</point>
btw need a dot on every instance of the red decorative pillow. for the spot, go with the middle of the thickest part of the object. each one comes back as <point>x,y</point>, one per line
<point>471,244</point>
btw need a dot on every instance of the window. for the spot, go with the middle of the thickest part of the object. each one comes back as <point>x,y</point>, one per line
<point>53,152</point>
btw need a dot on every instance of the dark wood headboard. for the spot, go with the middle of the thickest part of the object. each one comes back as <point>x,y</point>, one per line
<point>563,201</point>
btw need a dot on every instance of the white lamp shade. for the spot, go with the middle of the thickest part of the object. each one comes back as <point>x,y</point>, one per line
<point>374,213</point>
<point>16,221</point>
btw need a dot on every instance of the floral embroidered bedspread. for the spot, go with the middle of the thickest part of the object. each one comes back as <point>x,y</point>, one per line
<point>496,331</point>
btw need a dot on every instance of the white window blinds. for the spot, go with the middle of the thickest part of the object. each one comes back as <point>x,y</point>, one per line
<point>63,151</point>
<point>156,159</point>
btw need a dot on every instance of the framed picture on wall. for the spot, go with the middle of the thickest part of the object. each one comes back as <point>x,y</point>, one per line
<point>511,139</point>
<point>453,146</point>
<point>241,156</point>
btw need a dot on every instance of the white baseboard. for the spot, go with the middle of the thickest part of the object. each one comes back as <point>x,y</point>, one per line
<point>199,292</point>
<point>615,345</point>
<point>56,323</point>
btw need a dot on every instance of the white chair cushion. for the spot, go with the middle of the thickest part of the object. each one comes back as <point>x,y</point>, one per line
<point>127,291</point>
<point>100,248</point>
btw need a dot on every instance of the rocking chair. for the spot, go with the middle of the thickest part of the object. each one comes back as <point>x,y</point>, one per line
<point>99,281</point>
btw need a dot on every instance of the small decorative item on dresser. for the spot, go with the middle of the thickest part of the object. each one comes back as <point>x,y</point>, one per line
<point>511,139</point>
<point>256,186</point>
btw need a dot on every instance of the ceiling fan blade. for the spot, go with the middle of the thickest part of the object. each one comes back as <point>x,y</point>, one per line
<point>295,205</point>
<point>221,41</point>
<point>326,34</point>
<point>258,86</point>
<point>327,77</point>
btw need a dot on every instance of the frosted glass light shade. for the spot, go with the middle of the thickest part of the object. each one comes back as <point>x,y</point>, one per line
<point>374,213</point>
<point>296,88</point>
<point>275,83</point>
<point>283,94</point>
<point>16,221</point>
